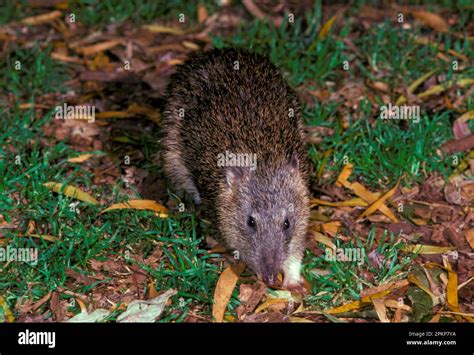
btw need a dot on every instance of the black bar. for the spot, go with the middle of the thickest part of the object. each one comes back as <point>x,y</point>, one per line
<point>232,337</point>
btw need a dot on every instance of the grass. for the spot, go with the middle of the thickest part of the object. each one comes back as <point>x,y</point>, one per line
<point>346,279</point>
<point>293,47</point>
<point>101,13</point>
<point>373,146</point>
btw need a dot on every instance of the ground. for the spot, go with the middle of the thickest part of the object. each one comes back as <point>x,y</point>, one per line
<point>396,193</point>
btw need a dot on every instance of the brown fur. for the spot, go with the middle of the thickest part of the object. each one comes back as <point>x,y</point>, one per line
<point>248,110</point>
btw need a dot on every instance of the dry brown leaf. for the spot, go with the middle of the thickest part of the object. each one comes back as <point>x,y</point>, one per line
<point>99,47</point>
<point>469,234</point>
<point>433,20</point>
<point>42,19</point>
<point>381,309</point>
<point>202,13</point>
<point>224,288</point>
<point>65,58</point>
<point>113,114</point>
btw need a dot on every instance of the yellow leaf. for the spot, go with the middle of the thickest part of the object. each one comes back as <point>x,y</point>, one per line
<point>366,300</point>
<point>324,240</point>
<point>331,227</point>
<point>139,205</point>
<point>326,28</point>
<point>379,202</point>
<point>164,29</point>
<point>370,197</point>
<point>71,191</point>
<point>9,318</point>
<point>433,20</point>
<point>355,202</point>
<point>344,175</point>
<point>469,115</point>
<point>419,221</point>
<point>413,86</point>
<point>224,288</point>
<point>149,112</point>
<point>80,158</point>
<point>437,89</point>
<point>41,19</point>
<point>270,302</point>
<point>190,45</point>
<point>452,288</point>
<point>294,319</point>
<point>426,249</point>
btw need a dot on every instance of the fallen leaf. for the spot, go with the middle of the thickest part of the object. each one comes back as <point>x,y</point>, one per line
<point>421,303</point>
<point>224,288</point>
<point>367,300</point>
<point>164,29</point>
<point>139,205</point>
<point>42,19</point>
<point>146,311</point>
<point>97,316</point>
<point>381,309</point>
<point>326,28</point>
<point>113,114</point>
<point>202,13</point>
<point>71,191</point>
<point>433,20</point>
<point>469,234</point>
<point>379,202</point>
<point>413,86</point>
<point>80,158</point>
<point>324,240</point>
<point>426,249</point>
<point>452,288</point>
<point>99,47</point>
<point>355,202</point>
<point>437,89</point>
<point>9,318</point>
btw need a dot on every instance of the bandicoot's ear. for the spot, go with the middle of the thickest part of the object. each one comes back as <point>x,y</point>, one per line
<point>234,175</point>
<point>294,164</point>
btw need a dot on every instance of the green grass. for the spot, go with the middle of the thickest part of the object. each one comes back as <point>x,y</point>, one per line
<point>347,279</point>
<point>293,47</point>
<point>376,151</point>
<point>30,72</point>
<point>101,13</point>
<point>381,151</point>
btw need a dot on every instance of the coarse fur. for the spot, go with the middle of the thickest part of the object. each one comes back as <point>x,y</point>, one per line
<point>231,100</point>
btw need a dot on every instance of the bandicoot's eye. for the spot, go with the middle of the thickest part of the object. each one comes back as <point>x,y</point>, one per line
<point>286,224</point>
<point>251,222</point>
